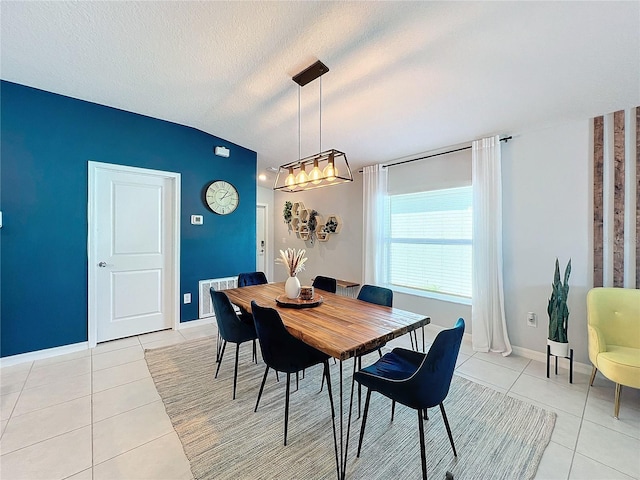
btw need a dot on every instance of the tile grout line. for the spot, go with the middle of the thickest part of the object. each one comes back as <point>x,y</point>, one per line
<point>91,407</point>
<point>13,409</point>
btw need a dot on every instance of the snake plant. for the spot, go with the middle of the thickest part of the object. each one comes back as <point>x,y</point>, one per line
<point>557,309</point>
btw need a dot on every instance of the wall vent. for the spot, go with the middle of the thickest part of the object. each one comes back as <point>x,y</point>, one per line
<point>205,306</point>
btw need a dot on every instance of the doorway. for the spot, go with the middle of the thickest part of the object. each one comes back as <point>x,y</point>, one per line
<point>262,227</point>
<point>133,251</point>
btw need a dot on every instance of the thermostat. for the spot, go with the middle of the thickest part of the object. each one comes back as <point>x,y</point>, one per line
<point>196,220</point>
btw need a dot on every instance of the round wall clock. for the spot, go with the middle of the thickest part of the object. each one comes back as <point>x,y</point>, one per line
<point>221,197</point>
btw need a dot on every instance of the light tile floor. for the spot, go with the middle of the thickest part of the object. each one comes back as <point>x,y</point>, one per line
<point>96,415</point>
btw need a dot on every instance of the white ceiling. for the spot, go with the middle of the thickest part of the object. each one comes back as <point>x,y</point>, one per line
<point>405,77</point>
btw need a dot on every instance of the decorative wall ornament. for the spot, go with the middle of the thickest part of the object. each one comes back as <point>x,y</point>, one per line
<point>616,199</point>
<point>309,225</point>
<point>286,213</point>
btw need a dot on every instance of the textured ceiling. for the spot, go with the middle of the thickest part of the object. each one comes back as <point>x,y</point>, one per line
<point>405,77</point>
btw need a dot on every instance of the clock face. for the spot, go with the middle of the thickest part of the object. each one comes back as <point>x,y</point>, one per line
<point>222,197</point>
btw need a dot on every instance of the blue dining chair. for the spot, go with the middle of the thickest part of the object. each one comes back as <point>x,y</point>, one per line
<point>246,280</point>
<point>327,284</point>
<point>231,329</point>
<point>251,278</point>
<point>283,352</point>
<point>380,296</point>
<point>417,380</point>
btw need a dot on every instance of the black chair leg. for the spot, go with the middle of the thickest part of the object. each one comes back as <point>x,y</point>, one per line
<point>359,386</point>
<point>446,424</point>
<point>327,373</point>
<point>422,455</point>
<point>235,371</point>
<point>296,381</point>
<point>224,345</point>
<point>264,379</point>
<point>393,409</point>
<point>255,355</point>
<point>286,409</point>
<point>218,347</point>
<point>364,420</point>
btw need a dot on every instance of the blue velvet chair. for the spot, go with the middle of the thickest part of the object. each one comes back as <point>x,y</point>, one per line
<point>251,278</point>
<point>327,284</point>
<point>231,329</point>
<point>284,353</point>
<point>415,379</point>
<point>378,295</point>
<point>246,280</point>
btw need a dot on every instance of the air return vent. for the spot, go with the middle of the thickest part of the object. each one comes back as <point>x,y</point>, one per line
<point>205,306</point>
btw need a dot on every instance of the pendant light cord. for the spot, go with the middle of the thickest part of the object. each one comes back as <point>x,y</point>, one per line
<point>320,136</point>
<point>299,154</point>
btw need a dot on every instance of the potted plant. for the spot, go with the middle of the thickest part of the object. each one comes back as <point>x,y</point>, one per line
<point>559,313</point>
<point>312,224</point>
<point>294,262</point>
<point>286,213</point>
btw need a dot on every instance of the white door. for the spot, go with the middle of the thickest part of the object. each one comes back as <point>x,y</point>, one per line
<point>261,238</point>
<point>133,251</point>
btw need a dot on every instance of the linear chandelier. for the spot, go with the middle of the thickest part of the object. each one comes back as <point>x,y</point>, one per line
<point>321,169</point>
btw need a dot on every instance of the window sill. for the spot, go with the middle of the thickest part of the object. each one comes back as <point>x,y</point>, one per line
<point>432,295</point>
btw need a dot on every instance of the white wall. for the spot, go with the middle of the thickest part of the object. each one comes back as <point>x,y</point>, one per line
<point>340,256</point>
<point>547,214</point>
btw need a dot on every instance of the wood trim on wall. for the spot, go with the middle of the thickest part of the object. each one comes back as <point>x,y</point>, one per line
<point>616,199</point>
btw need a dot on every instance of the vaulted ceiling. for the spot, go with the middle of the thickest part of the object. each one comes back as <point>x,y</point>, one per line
<point>405,77</point>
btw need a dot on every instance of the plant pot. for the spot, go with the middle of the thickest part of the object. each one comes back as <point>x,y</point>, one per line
<point>558,349</point>
<point>292,287</point>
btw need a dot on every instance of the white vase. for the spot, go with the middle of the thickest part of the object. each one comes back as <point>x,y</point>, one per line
<point>292,287</point>
<point>558,349</point>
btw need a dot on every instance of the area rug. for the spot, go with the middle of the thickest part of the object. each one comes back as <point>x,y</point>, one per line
<point>496,437</point>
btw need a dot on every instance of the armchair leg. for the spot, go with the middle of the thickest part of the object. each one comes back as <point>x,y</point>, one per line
<point>255,356</point>
<point>616,405</point>
<point>364,420</point>
<point>594,370</point>
<point>446,424</point>
<point>264,379</point>
<point>224,344</point>
<point>422,455</point>
<point>393,409</point>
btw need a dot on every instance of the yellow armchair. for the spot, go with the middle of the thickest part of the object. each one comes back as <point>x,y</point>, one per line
<point>613,320</point>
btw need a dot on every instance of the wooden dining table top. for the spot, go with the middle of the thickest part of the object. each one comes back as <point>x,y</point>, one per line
<point>340,326</point>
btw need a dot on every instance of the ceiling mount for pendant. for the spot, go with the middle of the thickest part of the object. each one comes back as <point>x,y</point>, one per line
<point>310,73</point>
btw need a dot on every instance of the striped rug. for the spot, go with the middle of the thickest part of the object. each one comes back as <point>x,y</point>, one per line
<point>497,437</point>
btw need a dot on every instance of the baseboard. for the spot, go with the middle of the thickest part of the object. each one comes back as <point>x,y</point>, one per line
<point>42,354</point>
<point>196,323</point>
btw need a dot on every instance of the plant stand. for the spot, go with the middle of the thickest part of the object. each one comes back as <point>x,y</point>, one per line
<point>570,358</point>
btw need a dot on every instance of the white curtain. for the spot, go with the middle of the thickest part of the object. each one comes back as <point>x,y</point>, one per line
<point>374,222</point>
<point>489,328</point>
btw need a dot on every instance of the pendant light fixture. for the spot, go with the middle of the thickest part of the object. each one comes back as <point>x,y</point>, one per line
<point>326,168</point>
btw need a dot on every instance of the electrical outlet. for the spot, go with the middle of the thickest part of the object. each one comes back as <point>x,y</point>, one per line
<point>532,320</point>
<point>187,298</point>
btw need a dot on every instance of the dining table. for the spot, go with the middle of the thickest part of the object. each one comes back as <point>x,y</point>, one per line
<point>340,326</point>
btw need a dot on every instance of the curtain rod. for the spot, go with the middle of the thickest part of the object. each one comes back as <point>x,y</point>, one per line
<point>505,139</point>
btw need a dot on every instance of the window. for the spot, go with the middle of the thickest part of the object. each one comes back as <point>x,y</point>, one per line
<point>430,236</point>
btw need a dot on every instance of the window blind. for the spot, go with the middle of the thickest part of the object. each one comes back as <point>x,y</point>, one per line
<point>430,239</point>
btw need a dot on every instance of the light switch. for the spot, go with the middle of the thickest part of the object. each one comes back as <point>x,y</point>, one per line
<point>196,220</point>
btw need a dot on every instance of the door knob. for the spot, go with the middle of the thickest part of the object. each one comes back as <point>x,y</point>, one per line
<point>102,264</point>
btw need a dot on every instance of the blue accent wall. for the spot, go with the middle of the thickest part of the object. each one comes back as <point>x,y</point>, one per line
<point>46,142</point>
